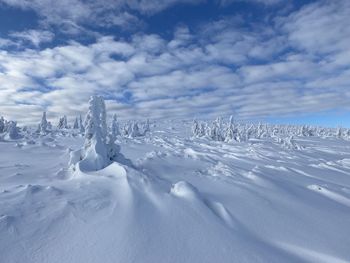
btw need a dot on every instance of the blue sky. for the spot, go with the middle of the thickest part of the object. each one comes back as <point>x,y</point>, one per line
<point>275,60</point>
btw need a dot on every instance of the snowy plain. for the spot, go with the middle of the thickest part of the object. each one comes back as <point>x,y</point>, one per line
<point>176,199</point>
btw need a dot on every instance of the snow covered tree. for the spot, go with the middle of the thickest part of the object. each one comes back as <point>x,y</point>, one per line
<point>215,131</point>
<point>99,150</point>
<point>127,129</point>
<point>146,127</point>
<point>2,124</point>
<point>198,129</point>
<point>81,125</point>
<point>249,132</point>
<point>92,122</point>
<point>339,132</point>
<point>115,127</point>
<point>348,133</point>
<point>103,118</point>
<point>65,122</point>
<point>135,130</point>
<point>12,130</point>
<point>76,124</point>
<point>62,123</point>
<point>260,131</point>
<point>43,124</point>
<point>306,131</point>
<point>231,131</point>
<point>195,128</point>
<point>132,129</point>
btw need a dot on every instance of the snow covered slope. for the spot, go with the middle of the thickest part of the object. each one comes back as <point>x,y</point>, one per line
<point>178,200</point>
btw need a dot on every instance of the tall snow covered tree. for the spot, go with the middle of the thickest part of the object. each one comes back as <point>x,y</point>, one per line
<point>62,123</point>
<point>260,131</point>
<point>195,128</point>
<point>65,122</point>
<point>43,123</point>
<point>115,127</point>
<point>99,150</point>
<point>146,127</point>
<point>76,124</point>
<point>81,125</point>
<point>231,131</point>
<point>215,131</point>
<point>339,132</point>
<point>92,123</point>
<point>103,118</point>
<point>135,130</point>
<point>2,124</point>
<point>198,129</point>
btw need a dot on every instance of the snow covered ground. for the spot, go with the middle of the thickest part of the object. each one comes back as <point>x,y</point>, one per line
<point>176,199</point>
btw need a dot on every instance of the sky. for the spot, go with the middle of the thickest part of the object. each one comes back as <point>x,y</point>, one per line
<point>280,61</point>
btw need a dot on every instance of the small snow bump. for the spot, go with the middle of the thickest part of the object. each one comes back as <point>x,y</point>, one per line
<point>32,189</point>
<point>184,189</point>
<point>315,187</point>
<point>188,152</point>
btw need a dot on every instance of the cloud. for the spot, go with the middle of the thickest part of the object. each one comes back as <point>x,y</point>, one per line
<point>264,2</point>
<point>155,6</point>
<point>320,28</point>
<point>35,37</point>
<point>4,42</point>
<point>222,68</point>
<point>103,13</point>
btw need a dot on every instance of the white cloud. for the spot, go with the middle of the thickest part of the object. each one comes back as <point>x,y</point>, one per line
<point>6,43</point>
<point>321,27</point>
<point>151,7</point>
<point>265,2</point>
<point>35,37</point>
<point>72,13</point>
<point>225,68</point>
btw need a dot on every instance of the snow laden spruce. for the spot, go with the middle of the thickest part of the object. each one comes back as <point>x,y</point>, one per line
<point>99,148</point>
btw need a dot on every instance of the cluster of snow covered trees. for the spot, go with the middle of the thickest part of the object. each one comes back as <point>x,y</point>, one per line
<point>219,130</point>
<point>135,129</point>
<point>229,131</point>
<point>130,129</point>
<point>9,129</point>
<point>46,126</point>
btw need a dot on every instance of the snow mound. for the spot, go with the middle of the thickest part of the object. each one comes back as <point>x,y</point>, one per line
<point>188,191</point>
<point>185,189</point>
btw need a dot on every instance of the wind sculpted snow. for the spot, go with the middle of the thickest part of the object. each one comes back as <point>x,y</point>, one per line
<point>176,199</point>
